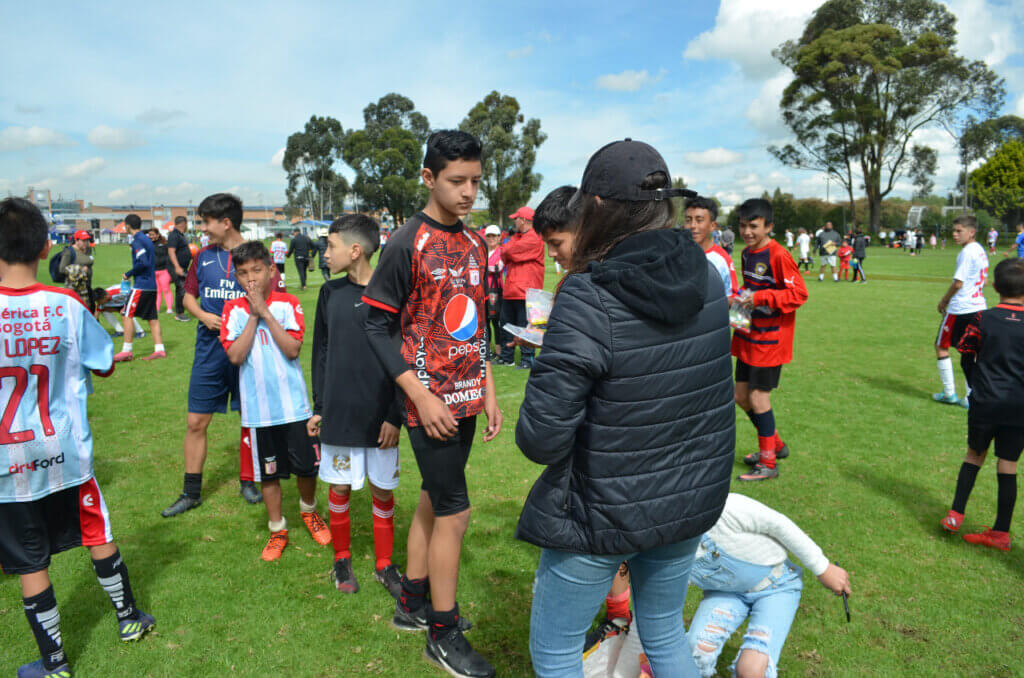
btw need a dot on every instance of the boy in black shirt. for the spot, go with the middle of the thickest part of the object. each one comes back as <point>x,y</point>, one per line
<point>430,289</point>
<point>995,338</point>
<point>358,427</point>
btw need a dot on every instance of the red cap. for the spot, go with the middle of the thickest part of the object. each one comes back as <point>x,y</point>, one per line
<point>524,212</point>
<point>83,235</point>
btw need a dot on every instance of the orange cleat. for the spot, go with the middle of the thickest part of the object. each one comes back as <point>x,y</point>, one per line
<point>317,527</point>
<point>275,547</point>
<point>952,521</point>
<point>990,538</point>
<point>156,355</point>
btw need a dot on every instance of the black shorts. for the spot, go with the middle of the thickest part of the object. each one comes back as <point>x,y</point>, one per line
<point>442,465</point>
<point>1009,439</point>
<point>141,304</point>
<point>32,531</point>
<point>758,378</point>
<point>280,268</point>
<point>285,449</point>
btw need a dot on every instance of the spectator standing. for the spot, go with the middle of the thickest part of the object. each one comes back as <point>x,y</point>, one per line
<point>860,251</point>
<point>728,239</point>
<point>524,265</point>
<point>828,241</point>
<point>76,264</point>
<point>279,252</point>
<point>1018,242</point>
<point>993,237</point>
<point>321,250</point>
<point>180,256</point>
<point>302,249</point>
<point>789,240</point>
<point>161,262</point>
<point>495,280</point>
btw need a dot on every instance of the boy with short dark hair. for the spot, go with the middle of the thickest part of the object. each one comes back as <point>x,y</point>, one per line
<point>778,290</point>
<point>701,216</point>
<point>142,302</point>
<point>992,341</point>
<point>358,428</point>
<point>49,498</point>
<point>430,289</point>
<point>555,223</point>
<point>262,334</point>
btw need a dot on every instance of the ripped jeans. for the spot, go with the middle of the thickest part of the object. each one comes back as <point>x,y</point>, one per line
<point>729,598</point>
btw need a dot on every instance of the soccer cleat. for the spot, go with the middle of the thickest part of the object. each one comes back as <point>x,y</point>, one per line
<point>182,318</point>
<point>453,653</point>
<point>317,527</point>
<point>964,403</point>
<point>609,629</point>
<point>754,458</point>
<point>180,505</point>
<point>391,579</point>
<point>249,491</point>
<point>412,620</point>
<point>123,357</point>
<point>945,399</point>
<point>275,545</point>
<point>952,521</point>
<point>990,538</point>
<point>37,670</point>
<point>133,629</point>
<point>343,577</point>
<point>759,472</point>
<point>156,355</point>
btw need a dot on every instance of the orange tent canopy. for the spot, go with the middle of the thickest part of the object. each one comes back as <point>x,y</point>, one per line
<point>120,228</point>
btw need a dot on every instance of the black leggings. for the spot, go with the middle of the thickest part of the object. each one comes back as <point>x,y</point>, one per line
<point>859,271</point>
<point>442,465</point>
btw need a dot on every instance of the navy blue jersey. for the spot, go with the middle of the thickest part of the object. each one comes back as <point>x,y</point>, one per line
<point>143,268</point>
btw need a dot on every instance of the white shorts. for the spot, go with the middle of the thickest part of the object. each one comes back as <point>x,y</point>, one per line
<point>351,466</point>
<point>828,260</point>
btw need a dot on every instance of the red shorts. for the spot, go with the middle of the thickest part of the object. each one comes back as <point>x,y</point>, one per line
<point>844,264</point>
<point>952,329</point>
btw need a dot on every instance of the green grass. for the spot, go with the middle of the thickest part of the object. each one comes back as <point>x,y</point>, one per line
<point>872,472</point>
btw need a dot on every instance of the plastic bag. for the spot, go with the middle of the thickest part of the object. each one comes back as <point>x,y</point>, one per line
<point>538,307</point>
<point>532,335</point>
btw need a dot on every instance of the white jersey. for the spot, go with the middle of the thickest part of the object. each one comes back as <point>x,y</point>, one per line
<point>789,238</point>
<point>804,240</point>
<point>972,271</point>
<point>50,341</point>
<point>279,251</point>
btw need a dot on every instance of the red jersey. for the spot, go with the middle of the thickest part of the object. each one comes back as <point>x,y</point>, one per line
<point>779,290</point>
<point>434,277</point>
<point>845,252</point>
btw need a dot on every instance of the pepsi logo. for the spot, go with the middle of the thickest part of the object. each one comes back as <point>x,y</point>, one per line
<point>460,318</point>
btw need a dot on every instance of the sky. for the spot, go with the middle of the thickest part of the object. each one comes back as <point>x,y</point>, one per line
<point>162,103</point>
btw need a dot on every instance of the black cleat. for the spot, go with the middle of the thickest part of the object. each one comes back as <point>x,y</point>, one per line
<point>181,504</point>
<point>414,620</point>
<point>343,577</point>
<point>250,492</point>
<point>759,472</point>
<point>453,653</point>
<point>391,579</point>
<point>755,457</point>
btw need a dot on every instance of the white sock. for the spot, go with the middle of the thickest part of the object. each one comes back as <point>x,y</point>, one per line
<point>158,348</point>
<point>307,508</point>
<point>946,374</point>
<point>821,277</point>
<point>277,527</point>
<point>138,327</point>
<point>113,321</point>
<point>835,277</point>
<point>126,347</point>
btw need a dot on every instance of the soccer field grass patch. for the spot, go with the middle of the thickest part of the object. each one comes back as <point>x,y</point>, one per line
<point>871,474</point>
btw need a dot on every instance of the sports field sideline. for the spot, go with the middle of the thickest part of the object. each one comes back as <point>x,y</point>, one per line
<point>872,472</point>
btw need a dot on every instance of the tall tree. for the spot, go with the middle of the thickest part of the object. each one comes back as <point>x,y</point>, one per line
<point>509,152</point>
<point>868,74</point>
<point>999,183</point>
<point>310,159</point>
<point>923,165</point>
<point>387,155</point>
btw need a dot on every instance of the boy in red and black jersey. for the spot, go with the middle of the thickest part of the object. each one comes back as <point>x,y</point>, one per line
<point>776,290</point>
<point>992,340</point>
<point>430,290</point>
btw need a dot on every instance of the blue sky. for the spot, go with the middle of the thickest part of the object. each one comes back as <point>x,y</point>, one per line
<point>135,102</point>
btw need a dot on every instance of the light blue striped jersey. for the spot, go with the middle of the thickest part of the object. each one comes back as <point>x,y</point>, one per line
<point>272,387</point>
<point>48,344</point>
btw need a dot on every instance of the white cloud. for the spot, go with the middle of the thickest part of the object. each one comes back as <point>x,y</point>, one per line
<point>713,157</point>
<point>628,81</point>
<point>113,137</point>
<point>158,116</point>
<point>183,189</point>
<point>134,191</point>
<point>278,159</point>
<point>520,52</point>
<point>19,138</point>
<point>1020,106</point>
<point>985,30</point>
<point>746,31</point>
<point>763,110</point>
<point>85,168</point>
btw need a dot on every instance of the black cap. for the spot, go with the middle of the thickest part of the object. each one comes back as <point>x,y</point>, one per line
<point>617,170</point>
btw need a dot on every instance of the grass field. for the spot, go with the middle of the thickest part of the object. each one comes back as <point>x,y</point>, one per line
<point>872,471</point>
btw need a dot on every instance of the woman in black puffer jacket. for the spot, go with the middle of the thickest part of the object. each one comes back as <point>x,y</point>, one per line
<point>630,406</point>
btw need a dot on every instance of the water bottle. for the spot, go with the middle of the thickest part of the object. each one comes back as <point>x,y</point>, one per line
<point>126,287</point>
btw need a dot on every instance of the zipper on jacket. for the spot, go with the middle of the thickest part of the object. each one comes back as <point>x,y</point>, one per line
<point>565,487</point>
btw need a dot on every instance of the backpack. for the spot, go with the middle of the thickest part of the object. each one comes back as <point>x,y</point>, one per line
<point>55,274</point>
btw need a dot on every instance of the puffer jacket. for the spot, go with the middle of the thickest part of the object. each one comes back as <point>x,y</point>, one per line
<point>630,403</point>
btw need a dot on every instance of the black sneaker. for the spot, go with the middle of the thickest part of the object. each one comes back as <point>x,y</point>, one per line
<point>414,620</point>
<point>609,629</point>
<point>759,472</point>
<point>525,365</point>
<point>343,577</point>
<point>250,492</point>
<point>391,578</point>
<point>182,318</point>
<point>505,363</point>
<point>754,458</point>
<point>453,653</point>
<point>181,504</point>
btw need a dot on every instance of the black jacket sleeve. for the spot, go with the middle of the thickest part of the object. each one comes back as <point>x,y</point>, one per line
<point>381,327</point>
<point>318,360</point>
<point>576,352</point>
<point>395,412</point>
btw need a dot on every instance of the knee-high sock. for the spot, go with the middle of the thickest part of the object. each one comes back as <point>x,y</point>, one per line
<point>946,375</point>
<point>246,469</point>
<point>766,435</point>
<point>383,531</point>
<point>1007,497</point>
<point>44,620</point>
<point>964,484</point>
<point>618,606</point>
<point>113,577</point>
<point>341,525</point>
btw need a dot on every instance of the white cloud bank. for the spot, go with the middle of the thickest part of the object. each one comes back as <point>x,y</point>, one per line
<point>113,137</point>
<point>19,138</point>
<point>628,81</point>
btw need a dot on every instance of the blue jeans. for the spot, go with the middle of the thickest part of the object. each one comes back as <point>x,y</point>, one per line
<point>570,588</point>
<point>729,599</point>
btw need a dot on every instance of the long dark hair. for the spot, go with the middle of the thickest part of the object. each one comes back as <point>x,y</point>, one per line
<point>600,227</point>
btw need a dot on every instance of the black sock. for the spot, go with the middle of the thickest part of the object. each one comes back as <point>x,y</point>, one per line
<point>964,485</point>
<point>113,576</point>
<point>44,620</point>
<point>752,417</point>
<point>442,622</point>
<point>414,593</point>
<point>764,423</point>
<point>1007,497</point>
<point>193,484</point>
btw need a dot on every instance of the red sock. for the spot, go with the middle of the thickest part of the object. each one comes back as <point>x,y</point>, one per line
<point>766,444</point>
<point>341,525</point>
<point>383,531</point>
<point>618,606</point>
<point>245,465</point>
<point>778,441</point>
